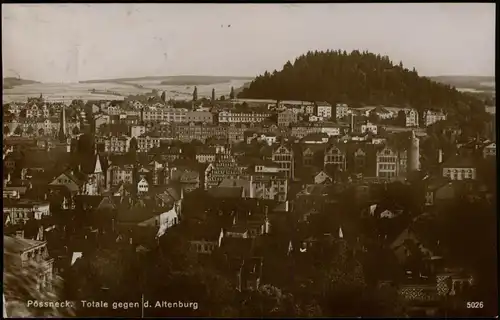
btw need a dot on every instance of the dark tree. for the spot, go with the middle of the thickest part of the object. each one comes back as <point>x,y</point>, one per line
<point>18,131</point>
<point>6,130</point>
<point>373,118</point>
<point>213,94</point>
<point>75,130</point>
<point>133,146</point>
<point>222,98</point>
<point>195,94</point>
<point>41,132</point>
<point>401,118</point>
<point>164,96</point>
<point>364,78</point>
<point>231,94</point>
<point>30,130</point>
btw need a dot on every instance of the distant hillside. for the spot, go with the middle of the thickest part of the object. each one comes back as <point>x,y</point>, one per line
<point>237,91</point>
<point>10,82</point>
<point>468,82</point>
<point>176,80</point>
<point>356,78</point>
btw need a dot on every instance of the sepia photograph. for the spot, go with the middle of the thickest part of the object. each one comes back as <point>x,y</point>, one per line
<point>249,160</point>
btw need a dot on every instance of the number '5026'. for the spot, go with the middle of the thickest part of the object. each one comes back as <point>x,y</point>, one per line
<point>475,305</point>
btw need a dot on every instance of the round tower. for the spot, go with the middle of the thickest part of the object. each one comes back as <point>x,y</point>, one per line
<point>414,156</point>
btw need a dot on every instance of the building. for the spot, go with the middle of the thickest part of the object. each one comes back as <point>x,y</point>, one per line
<point>243,117</point>
<point>224,167</point>
<point>335,155</point>
<point>382,113</point>
<point>302,130</point>
<point>323,110</point>
<point>431,117</point>
<point>411,118</point>
<point>117,174</point>
<point>142,186</point>
<point>341,111</point>
<point>459,168</point>
<point>20,211</point>
<point>284,157</point>
<point>148,141</point>
<point>236,132</point>
<point>490,150</point>
<point>93,169</point>
<point>330,128</point>
<point>268,138</point>
<point>205,154</point>
<point>286,118</point>
<point>116,144</point>
<point>20,252</point>
<point>176,115</point>
<point>200,132</point>
<point>388,161</point>
<point>137,131</point>
<point>199,116</point>
<point>368,127</point>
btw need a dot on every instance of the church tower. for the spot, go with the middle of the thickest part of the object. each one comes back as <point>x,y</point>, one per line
<point>62,125</point>
<point>414,154</point>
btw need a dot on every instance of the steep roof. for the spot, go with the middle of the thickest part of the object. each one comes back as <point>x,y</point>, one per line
<point>18,245</point>
<point>460,162</point>
<point>89,164</point>
<point>226,192</point>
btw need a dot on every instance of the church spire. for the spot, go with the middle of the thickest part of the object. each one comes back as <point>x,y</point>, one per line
<point>62,125</point>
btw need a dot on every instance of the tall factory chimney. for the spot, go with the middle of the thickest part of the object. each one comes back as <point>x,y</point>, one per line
<point>62,125</point>
<point>352,122</point>
<point>414,156</point>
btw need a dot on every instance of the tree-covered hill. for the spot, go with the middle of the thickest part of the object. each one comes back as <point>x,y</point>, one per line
<point>358,78</point>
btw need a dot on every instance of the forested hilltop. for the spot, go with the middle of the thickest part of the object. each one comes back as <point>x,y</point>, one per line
<point>357,78</point>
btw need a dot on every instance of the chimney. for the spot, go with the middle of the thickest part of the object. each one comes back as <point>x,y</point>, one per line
<point>287,206</point>
<point>352,122</point>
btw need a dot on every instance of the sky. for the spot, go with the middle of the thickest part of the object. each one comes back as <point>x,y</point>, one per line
<point>75,42</point>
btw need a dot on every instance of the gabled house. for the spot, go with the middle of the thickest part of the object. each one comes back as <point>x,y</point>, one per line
<point>68,180</point>
<point>335,155</point>
<point>284,156</point>
<point>322,178</point>
<point>313,154</point>
<point>142,186</point>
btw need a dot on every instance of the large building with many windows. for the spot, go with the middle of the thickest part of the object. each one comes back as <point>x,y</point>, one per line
<point>390,162</point>
<point>431,117</point>
<point>243,117</point>
<point>148,141</point>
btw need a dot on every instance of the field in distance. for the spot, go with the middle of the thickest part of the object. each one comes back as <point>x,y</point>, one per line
<point>177,87</point>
